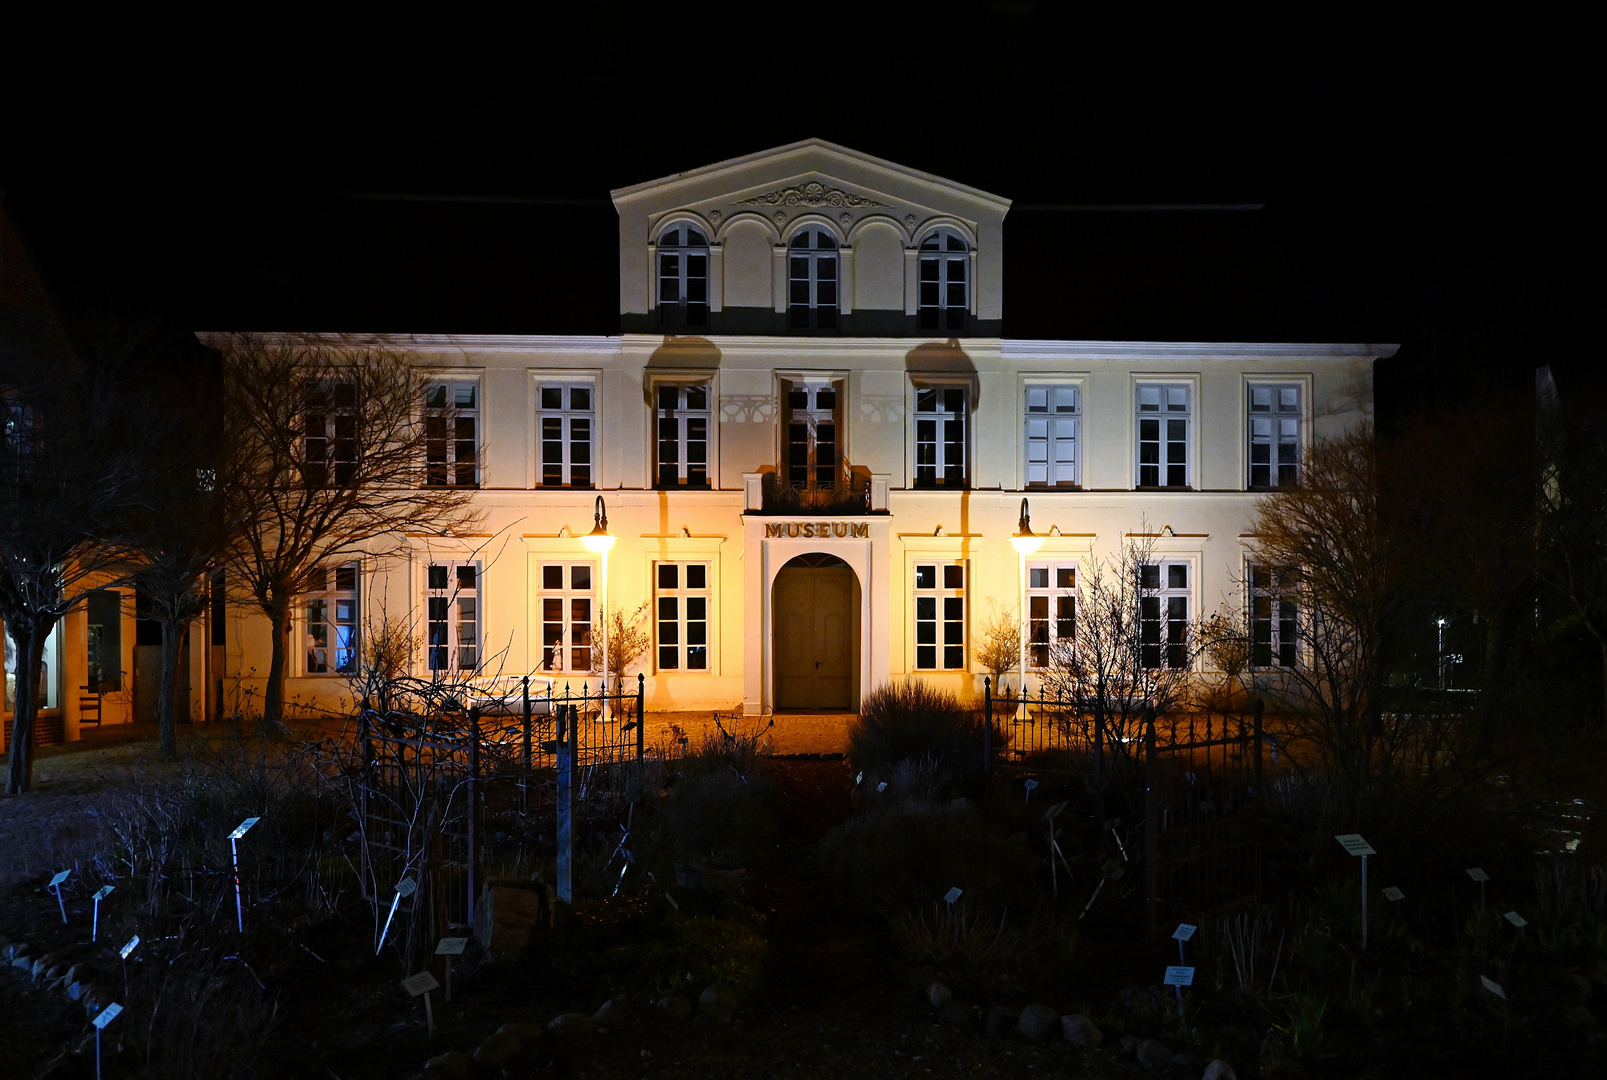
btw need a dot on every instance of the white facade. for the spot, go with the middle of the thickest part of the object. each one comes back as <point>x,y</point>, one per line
<point>811,312</point>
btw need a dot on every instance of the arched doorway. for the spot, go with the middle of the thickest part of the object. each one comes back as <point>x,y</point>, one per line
<point>816,627</point>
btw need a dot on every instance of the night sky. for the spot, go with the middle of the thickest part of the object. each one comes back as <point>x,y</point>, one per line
<point>1422,183</point>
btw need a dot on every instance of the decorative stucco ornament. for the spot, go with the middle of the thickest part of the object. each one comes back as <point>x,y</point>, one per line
<point>814,193</point>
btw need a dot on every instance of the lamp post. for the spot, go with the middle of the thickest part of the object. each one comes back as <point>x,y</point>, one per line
<point>1440,651</point>
<point>1025,544</point>
<point>599,540</point>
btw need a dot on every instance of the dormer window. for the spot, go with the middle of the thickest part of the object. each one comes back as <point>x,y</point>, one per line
<point>812,279</point>
<point>683,277</point>
<point>945,288</point>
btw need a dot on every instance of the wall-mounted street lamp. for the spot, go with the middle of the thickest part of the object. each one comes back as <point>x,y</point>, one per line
<point>599,540</point>
<point>1025,542</point>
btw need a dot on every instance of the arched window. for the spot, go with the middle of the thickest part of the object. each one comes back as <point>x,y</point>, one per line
<point>812,279</point>
<point>683,276</point>
<point>945,298</point>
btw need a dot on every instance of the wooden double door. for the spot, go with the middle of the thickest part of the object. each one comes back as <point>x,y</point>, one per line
<point>815,638</point>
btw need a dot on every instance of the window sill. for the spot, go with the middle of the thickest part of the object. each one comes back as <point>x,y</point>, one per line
<point>1141,487</point>
<point>683,487</point>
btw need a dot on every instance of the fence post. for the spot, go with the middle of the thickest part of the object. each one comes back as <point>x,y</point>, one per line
<point>1099,749</point>
<point>566,803</point>
<point>1151,831</point>
<point>524,777</point>
<point>474,802</point>
<point>1256,805</point>
<point>987,726</point>
<point>365,746</point>
<point>641,717</point>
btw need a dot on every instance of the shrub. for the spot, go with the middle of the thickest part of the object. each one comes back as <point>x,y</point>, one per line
<point>718,808</point>
<point>912,722</point>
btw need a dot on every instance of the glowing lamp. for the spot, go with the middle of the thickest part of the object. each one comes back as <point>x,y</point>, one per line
<point>1024,540</point>
<point>599,539</point>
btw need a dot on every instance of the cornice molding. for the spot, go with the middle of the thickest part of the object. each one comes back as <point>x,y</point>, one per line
<point>1012,348</point>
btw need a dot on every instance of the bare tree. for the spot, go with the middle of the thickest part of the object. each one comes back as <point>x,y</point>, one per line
<point>1129,651</point>
<point>1572,493</point>
<point>999,642</point>
<point>332,461</point>
<point>629,636</point>
<point>69,470</point>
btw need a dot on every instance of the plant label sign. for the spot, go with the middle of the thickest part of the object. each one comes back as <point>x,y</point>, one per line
<point>1179,976</point>
<point>1354,844</point>
<point>953,894</point>
<point>1493,986</point>
<point>881,786</point>
<point>422,983</point>
<point>451,946</point>
<point>103,892</point>
<point>126,950</point>
<point>107,1015</point>
<point>1031,784</point>
<point>1477,874</point>
<point>406,887</point>
<point>1515,919</point>
<point>243,828</point>
<point>61,876</point>
<point>1184,931</point>
<point>1392,893</point>
<point>860,777</point>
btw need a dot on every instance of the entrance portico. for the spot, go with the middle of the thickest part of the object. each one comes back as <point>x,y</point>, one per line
<point>769,544</point>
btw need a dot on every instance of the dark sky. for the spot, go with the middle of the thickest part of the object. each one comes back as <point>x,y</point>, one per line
<point>1425,183</point>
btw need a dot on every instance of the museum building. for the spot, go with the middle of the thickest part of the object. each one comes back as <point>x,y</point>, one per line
<point>812,442</point>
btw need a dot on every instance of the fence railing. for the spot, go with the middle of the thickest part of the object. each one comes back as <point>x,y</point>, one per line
<point>431,783</point>
<point>1198,776</point>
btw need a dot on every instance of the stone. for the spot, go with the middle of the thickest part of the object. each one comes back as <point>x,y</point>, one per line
<point>1185,1062</point>
<point>1153,1052</point>
<point>676,1008</point>
<point>571,1025</point>
<point>524,1031</point>
<point>1219,1070</point>
<point>921,978</point>
<point>75,990</point>
<point>22,961</point>
<point>1000,1021</point>
<point>499,1049</point>
<point>56,972</point>
<point>80,972</point>
<point>955,1014</point>
<point>12,950</point>
<point>1129,1043</point>
<point>1081,1031</point>
<point>1037,1020</point>
<point>452,1065</point>
<point>714,1013</point>
<point>938,995</point>
<point>44,964</point>
<point>719,993</point>
<point>609,1013</point>
<point>511,914</point>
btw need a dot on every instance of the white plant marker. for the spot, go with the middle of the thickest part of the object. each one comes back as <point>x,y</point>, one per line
<point>1493,986</point>
<point>106,1016</point>
<point>1353,843</point>
<point>881,787</point>
<point>1477,874</point>
<point>1177,978</point>
<point>1515,919</point>
<point>450,947</point>
<point>234,851</point>
<point>127,950</point>
<point>100,894</point>
<point>1031,783</point>
<point>404,888</point>
<point>953,894</point>
<point>55,889</point>
<point>423,983</point>
<point>1393,894</point>
<point>1183,932</point>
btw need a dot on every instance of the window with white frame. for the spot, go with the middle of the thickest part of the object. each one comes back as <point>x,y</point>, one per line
<point>451,433</point>
<point>940,436</point>
<point>1051,608</point>
<point>683,277</point>
<point>945,274</point>
<point>567,421</point>
<point>812,414</point>
<point>452,618</point>
<point>940,615</point>
<point>682,415</point>
<point>1163,614</point>
<point>1274,436</point>
<point>681,610</point>
<point>329,609</point>
<point>568,602</point>
<point>812,279</point>
<point>1274,619</point>
<point>329,442</point>
<point>1163,435</point>
<point>1053,421</point>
